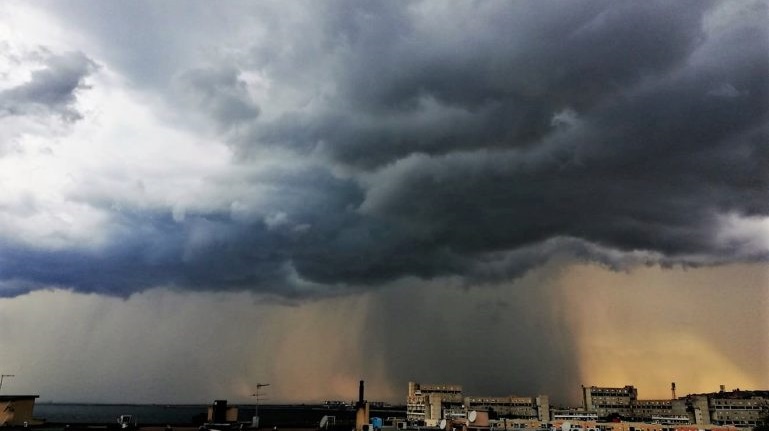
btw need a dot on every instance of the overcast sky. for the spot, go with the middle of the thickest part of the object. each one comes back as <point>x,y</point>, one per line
<point>460,192</point>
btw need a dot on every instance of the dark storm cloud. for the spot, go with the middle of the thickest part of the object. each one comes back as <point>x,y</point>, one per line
<point>474,140</point>
<point>51,89</point>
<point>227,250</point>
<point>490,79</point>
<point>657,151</point>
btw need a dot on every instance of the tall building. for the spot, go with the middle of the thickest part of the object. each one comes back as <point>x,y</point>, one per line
<point>609,401</point>
<point>425,403</point>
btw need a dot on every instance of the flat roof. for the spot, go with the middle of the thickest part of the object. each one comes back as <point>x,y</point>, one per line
<point>17,397</point>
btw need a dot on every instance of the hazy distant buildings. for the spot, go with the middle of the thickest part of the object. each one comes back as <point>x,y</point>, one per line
<point>606,402</point>
<point>572,414</point>
<point>429,403</point>
<point>740,408</point>
<point>661,410</point>
<point>425,403</point>
<point>516,407</point>
<point>609,401</point>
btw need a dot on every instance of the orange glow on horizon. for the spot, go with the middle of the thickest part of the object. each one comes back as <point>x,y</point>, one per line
<point>650,327</point>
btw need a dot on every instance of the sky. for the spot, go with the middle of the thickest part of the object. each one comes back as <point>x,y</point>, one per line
<point>519,197</point>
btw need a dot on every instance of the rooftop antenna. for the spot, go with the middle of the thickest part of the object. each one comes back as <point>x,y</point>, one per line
<point>2,377</point>
<point>255,420</point>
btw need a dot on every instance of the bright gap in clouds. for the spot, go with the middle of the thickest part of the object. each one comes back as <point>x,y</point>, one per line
<point>118,158</point>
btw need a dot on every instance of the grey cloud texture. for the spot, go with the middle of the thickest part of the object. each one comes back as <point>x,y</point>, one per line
<point>52,89</point>
<point>218,94</point>
<point>426,139</point>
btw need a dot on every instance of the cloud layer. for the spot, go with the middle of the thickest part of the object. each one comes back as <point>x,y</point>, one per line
<point>314,148</point>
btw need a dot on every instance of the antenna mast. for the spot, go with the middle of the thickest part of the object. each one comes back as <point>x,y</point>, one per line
<point>255,420</point>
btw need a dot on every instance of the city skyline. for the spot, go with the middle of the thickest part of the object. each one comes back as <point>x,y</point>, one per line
<point>530,196</point>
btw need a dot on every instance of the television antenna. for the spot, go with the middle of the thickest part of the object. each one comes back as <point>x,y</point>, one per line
<point>255,419</point>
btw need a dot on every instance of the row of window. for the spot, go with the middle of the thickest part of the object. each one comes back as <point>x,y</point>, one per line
<point>738,408</point>
<point>610,393</point>
<point>500,403</point>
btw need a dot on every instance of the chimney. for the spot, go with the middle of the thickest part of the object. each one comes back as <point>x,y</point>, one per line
<point>673,389</point>
<point>362,411</point>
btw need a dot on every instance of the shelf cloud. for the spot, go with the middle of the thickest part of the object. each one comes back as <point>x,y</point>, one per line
<point>312,149</point>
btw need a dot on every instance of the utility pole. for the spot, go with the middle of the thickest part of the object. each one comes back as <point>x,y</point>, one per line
<point>255,420</point>
<point>2,377</point>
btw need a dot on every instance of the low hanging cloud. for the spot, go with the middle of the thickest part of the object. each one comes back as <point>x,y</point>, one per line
<point>375,141</point>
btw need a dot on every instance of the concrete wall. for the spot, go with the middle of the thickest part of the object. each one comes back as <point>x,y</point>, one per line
<point>14,412</point>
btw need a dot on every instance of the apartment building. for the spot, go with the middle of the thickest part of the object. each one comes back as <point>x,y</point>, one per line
<point>516,407</point>
<point>428,404</point>
<point>425,403</point>
<point>644,409</point>
<point>741,408</point>
<point>606,401</point>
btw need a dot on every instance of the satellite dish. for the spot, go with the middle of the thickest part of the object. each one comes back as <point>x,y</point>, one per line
<point>472,416</point>
<point>442,424</point>
<point>566,426</point>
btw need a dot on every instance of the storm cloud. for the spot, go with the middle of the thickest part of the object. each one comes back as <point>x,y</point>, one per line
<point>369,142</point>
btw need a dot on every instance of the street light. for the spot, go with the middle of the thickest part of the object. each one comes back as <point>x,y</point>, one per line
<point>255,420</point>
<point>2,377</point>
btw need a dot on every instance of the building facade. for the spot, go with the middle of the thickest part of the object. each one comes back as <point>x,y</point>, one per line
<point>647,409</point>
<point>606,401</point>
<point>740,408</point>
<point>515,407</point>
<point>425,403</point>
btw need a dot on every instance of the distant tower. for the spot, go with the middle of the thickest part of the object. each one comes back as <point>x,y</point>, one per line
<point>673,389</point>
<point>361,410</point>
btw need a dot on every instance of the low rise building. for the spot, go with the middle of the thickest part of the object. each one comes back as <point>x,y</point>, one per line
<point>428,404</point>
<point>516,407</point>
<point>741,408</point>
